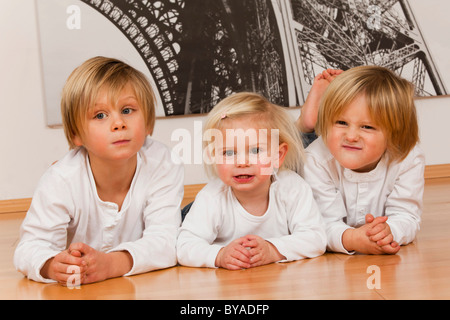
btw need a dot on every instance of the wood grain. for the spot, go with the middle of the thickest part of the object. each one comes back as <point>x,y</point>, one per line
<point>419,271</point>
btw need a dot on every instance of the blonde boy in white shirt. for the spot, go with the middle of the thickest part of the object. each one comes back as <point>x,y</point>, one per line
<point>111,206</point>
<point>366,170</point>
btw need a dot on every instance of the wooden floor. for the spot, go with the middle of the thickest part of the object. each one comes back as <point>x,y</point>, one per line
<point>420,270</point>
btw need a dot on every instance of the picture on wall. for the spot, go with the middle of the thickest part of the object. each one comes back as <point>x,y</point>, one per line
<point>197,52</point>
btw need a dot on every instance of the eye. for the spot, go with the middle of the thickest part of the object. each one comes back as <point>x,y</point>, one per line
<point>255,150</point>
<point>368,127</point>
<point>228,153</point>
<point>341,123</point>
<point>127,111</point>
<point>100,116</point>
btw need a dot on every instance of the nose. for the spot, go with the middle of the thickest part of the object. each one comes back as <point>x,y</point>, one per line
<point>242,159</point>
<point>352,134</point>
<point>118,123</point>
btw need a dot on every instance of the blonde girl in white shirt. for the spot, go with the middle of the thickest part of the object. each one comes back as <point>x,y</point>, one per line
<point>111,205</point>
<point>257,209</point>
<point>366,170</point>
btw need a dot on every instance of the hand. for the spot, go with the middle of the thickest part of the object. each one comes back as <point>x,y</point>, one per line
<point>99,265</point>
<point>308,116</point>
<point>58,267</point>
<point>331,74</point>
<point>234,256</point>
<point>381,234</point>
<point>359,240</point>
<point>262,252</point>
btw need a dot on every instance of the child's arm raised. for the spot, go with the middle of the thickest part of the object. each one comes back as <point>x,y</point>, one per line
<point>308,116</point>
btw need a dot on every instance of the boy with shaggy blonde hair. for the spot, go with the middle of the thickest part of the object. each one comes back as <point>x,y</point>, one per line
<point>111,206</point>
<point>366,170</point>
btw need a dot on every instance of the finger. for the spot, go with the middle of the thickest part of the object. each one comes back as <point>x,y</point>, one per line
<point>234,267</point>
<point>392,248</point>
<point>320,76</point>
<point>241,254</point>
<point>75,253</point>
<point>378,220</point>
<point>385,241</point>
<point>252,237</point>
<point>326,74</point>
<point>376,229</point>
<point>256,263</point>
<point>64,273</point>
<point>256,258</point>
<point>79,246</point>
<point>334,72</point>
<point>236,264</point>
<point>249,244</point>
<point>252,241</point>
<point>380,235</point>
<point>61,268</point>
<point>67,259</point>
<point>369,218</point>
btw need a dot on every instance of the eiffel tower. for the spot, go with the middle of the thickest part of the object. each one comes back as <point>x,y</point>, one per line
<point>199,52</point>
<point>346,33</point>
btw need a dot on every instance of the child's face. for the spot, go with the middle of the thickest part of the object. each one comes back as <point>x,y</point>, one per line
<point>355,140</point>
<point>114,131</point>
<point>247,164</point>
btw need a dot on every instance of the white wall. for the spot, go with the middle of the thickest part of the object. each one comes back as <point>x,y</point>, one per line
<point>28,147</point>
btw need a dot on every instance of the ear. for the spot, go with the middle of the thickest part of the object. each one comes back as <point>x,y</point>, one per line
<point>282,151</point>
<point>77,141</point>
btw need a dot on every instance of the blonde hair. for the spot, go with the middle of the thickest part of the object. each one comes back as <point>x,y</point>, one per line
<point>390,100</point>
<point>265,113</point>
<point>84,83</point>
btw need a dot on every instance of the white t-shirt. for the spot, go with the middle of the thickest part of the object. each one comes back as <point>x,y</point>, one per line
<point>66,209</point>
<point>345,196</point>
<point>292,222</point>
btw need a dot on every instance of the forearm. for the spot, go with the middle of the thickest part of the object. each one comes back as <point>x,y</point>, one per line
<point>197,253</point>
<point>45,270</point>
<point>274,253</point>
<point>119,263</point>
<point>347,240</point>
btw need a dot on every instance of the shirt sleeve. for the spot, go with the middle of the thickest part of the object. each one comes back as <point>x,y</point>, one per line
<point>43,233</point>
<point>306,238</point>
<point>329,200</point>
<point>405,203</point>
<point>157,247</point>
<point>200,228</point>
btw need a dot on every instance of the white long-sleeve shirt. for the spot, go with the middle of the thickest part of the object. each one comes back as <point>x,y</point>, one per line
<point>345,196</point>
<point>292,222</point>
<point>66,209</point>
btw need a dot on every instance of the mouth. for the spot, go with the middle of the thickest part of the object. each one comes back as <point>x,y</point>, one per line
<point>120,142</point>
<point>351,148</point>
<point>243,178</point>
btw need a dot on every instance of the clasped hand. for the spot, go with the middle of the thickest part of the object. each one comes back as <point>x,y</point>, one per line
<point>247,252</point>
<point>374,237</point>
<point>93,265</point>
